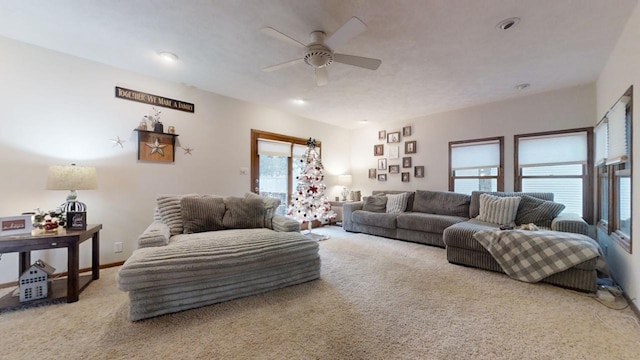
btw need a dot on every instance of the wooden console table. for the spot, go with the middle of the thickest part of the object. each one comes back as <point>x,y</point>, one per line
<point>71,239</point>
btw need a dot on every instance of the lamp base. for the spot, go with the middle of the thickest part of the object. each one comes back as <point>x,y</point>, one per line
<point>73,206</point>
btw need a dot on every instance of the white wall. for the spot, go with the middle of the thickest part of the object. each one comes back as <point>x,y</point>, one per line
<point>562,109</point>
<point>57,109</point>
<point>621,71</point>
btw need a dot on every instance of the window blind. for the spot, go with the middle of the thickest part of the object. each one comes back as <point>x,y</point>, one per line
<point>299,150</point>
<point>617,135</point>
<point>475,155</point>
<point>601,135</point>
<point>552,149</point>
<point>274,148</point>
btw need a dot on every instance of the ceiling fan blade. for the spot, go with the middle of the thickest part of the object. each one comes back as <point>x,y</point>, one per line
<point>322,76</point>
<point>282,37</point>
<point>282,65</point>
<point>363,62</point>
<point>352,28</point>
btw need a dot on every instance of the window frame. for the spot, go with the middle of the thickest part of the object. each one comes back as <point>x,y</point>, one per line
<point>499,178</point>
<point>587,169</point>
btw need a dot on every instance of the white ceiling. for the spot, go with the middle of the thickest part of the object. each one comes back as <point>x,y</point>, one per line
<point>437,55</point>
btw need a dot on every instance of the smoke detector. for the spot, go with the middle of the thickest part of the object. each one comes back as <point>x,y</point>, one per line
<point>508,23</point>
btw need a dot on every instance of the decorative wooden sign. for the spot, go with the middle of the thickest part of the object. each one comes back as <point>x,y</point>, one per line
<point>153,146</point>
<point>155,100</point>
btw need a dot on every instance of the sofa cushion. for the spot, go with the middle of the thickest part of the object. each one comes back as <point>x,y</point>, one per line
<point>387,192</point>
<point>441,203</point>
<point>474,206</point>
<point>243,213</point>
<point>170,211</point>
<point>384,220</point>
<point>375,204</point>
<point>202,213</point>
<point>397,203</point>
<point>460,235</point>
<point>432,223</point>
<point>537,211</point>
<point>498,210</point>
<point>270,206</point>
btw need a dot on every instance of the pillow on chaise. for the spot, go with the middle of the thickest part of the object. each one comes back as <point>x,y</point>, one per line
<point>375,204</point>
<point>498,210</point>
<point>397,203</point>
<point>169,209</point>
<point>270,206</point>
<point>243,213</point>
<point>202,213</point>
<point>537,211</point>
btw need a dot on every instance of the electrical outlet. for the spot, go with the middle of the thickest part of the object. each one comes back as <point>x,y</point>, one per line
<point>244,171</point>
<point>117,247</point>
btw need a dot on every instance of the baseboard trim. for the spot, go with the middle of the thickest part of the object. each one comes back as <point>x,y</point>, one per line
<point>82,270</point>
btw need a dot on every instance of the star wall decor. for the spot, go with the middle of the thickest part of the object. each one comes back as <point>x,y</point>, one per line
<point>117,141</point>
<point>156,147</point>
<point>187,150</point>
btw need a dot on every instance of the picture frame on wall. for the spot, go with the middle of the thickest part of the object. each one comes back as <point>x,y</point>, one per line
<point>394,152</point>
<point>378,150</point>
<point>418,171</point>
<point>406,162</point>
<point>382,177</point>
<point>372,173</point>
<point>394,169</point>
<point>382,134</point>
<point>382,164</point>
<point>406,131</point>
<point>405,177</point>
<point>410,147</point>
<point>393,137</point>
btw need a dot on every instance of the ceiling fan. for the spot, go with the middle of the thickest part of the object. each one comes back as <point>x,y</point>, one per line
<point>319,52</point>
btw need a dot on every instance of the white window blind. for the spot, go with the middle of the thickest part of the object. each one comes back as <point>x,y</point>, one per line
<point>552,149</point>
<point>617,136</point>
<point>475,155</point>
<point>274,148</point>
<point>601,134</point>
<point>299,150</point>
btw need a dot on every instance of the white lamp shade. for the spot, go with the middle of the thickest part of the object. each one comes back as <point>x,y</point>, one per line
<point>72,177</point>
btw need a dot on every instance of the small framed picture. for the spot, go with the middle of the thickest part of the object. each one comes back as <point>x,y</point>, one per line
<point>372,173</point>
<point>393,137</point>
<point>76,220</point>
<point>410,147</point>
<point>418,171</point>
<point>382,164</point>
<point>405,177</point>
<point>382,134</point>
<point>406,131</point>
<point>394,152</point>
<point>378,150</point>
<point>394,169</point>
<point>382,177</point>
<point>406,162</point>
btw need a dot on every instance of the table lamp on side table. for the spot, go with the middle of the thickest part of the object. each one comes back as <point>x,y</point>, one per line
<point>72,178</point>
<point>345,181</point>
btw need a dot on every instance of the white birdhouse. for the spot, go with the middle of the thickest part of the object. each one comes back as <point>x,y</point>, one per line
<point>34,282</point>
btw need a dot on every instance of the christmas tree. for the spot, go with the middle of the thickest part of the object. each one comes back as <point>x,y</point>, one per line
<point>308,201</point>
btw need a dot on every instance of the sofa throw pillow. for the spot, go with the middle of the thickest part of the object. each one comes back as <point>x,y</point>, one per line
<point>397,203</point>
<point>441,203</point>
<point>474,206</point>
<point>537,211</point>
<point>202,213</point>
<point>270,206</point>
<point>243,213</point>
<point>170,211</point>
<point>375,204</point>
<point>498,210</point>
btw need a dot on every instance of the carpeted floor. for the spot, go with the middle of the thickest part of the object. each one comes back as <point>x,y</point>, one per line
<point>377,299</point>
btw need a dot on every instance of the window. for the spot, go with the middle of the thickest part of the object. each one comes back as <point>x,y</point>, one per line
<point>613,151</point>
<point>275,165</point>
<point>476,165</point>
<point>557,162</point>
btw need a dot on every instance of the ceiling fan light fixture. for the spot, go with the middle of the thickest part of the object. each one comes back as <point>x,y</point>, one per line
<point>508,23</point>
<point>168,56</point>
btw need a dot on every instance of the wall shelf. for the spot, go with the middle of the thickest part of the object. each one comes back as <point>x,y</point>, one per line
<point>156,146</point>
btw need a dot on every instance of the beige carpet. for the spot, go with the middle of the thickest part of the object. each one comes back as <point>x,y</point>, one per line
<point>377,299</point>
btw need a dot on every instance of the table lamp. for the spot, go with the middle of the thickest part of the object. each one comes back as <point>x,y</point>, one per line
<point>345,181</point>
<point>72,177</point>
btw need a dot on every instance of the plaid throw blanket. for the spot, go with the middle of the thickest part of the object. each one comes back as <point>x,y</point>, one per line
<point>531,256</point>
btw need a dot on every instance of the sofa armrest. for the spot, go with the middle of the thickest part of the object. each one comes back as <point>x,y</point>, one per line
<point>284,224</point>
<point>156,234</point>
<point>570,223</point>
<point>347,210</point>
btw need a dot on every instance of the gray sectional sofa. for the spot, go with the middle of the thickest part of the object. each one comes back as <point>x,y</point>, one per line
<point>448,220</point>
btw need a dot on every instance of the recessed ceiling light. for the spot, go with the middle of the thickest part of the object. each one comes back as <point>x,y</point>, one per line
<point>299,101</point>
<point>522,86</point>
<point>168,56</point>
<point>363,121</point>
<point>508,23</point>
